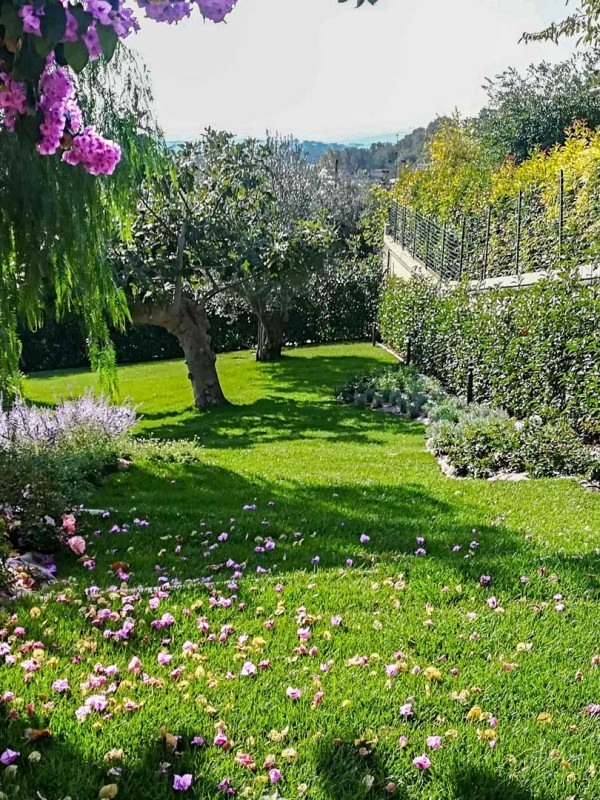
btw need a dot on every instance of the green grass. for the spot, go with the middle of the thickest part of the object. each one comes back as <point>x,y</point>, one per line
<point>320,475</point>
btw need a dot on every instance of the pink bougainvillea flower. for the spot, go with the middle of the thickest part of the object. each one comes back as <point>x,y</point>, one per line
<point>422,762</point>
<point>274,775</point>
<point>434,742</point>
<point>406,710</point>
<point>293,694</point>
<point>402,742</point>
<point>61,685</point>
<point>245,760</point>
<point>77,544</point>
<point>364,538</point>
<point>135,666</point>
<point>593,709</point>
<point>336,621</point>
<point>248,669</point>
<point>222,741</point>
<point>181,783</point>
<point>9,757</point>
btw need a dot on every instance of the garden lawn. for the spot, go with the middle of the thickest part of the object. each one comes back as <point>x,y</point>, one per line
<point>407,613</point>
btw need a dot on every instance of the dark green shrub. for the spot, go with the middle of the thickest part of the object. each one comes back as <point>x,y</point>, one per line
<point>480,444</point>
<point>553,449</point>
<point>534,350</point>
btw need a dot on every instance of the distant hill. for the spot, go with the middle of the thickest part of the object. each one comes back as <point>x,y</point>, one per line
<point>368,155</point>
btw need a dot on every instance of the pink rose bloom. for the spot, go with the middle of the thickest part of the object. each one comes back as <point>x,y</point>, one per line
<point>422,762</point>
<point>68,523</point>
<point>181,783</point>
<point>77,545</point>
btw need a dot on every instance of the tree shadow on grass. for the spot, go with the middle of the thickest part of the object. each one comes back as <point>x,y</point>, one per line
<point>330,518</point>
<point>67,770</point>
<point>317,374</point>
<point>345,774</point>
<point>276,419</point>
<point>471,782</point>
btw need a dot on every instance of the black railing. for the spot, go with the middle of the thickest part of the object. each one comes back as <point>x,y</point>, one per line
<point>536,231</point>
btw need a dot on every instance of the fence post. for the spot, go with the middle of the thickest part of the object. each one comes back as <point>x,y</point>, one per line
<point>470,379</point>
<point>414,248</point>
<point>519,219</point>
<point>462,247</point>
<point>374,335</point>
<point>443,250</point>
<point>403,234</point>
<point>561,213</point>
<point>487,243</point>
<point>428,245</point>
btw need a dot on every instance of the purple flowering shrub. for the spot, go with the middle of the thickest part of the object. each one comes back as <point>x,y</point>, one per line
<point>51,458</point>
<point>86,416</point>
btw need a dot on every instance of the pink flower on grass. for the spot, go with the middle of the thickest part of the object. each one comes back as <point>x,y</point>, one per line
<point>9,757</point>
<point>293,694</point>
<point>434,742</point>
<point>61,685</point>
<point>248,669</point>
<point>336,621</point>
<point>406,710</point>
<point>422,762</point>
<point>135,666</point>
<point>68,523</point>
<point>274,775</point>
<point>77,545</point>
<point>181,783</point>
<point>364,538</point>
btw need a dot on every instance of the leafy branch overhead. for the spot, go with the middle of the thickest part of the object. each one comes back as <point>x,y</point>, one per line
<point>43,43</point>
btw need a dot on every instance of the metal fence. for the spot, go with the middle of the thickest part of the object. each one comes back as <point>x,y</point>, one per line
<point>539,230</point>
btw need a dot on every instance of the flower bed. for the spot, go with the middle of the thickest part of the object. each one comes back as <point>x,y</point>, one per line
<point>49,461</point>
<point>475,440</point>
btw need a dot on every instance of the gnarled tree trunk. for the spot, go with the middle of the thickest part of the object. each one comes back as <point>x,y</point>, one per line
<point>271,326</point>
<point>188,321</point>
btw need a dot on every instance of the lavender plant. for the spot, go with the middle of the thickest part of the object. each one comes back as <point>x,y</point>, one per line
<point>23,425</point>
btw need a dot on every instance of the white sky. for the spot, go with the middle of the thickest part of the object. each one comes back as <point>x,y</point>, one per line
<point>328,71</point>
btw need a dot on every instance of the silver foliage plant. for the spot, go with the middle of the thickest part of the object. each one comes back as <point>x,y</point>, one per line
<point>23,425</point>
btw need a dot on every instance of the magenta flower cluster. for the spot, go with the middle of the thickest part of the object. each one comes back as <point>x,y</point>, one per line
<point>62,120</point>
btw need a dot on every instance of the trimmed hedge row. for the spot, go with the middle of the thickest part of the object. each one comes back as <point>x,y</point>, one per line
<point>339,304</point>
<point>534,350</point>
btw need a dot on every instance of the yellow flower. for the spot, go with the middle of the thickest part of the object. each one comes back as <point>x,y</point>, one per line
<point>544,718</point>
<point>474,714</point>
<point>433,674</point>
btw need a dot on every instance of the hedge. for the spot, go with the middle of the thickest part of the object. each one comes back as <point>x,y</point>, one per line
<point>339,304</point>
<point>532,350</point>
